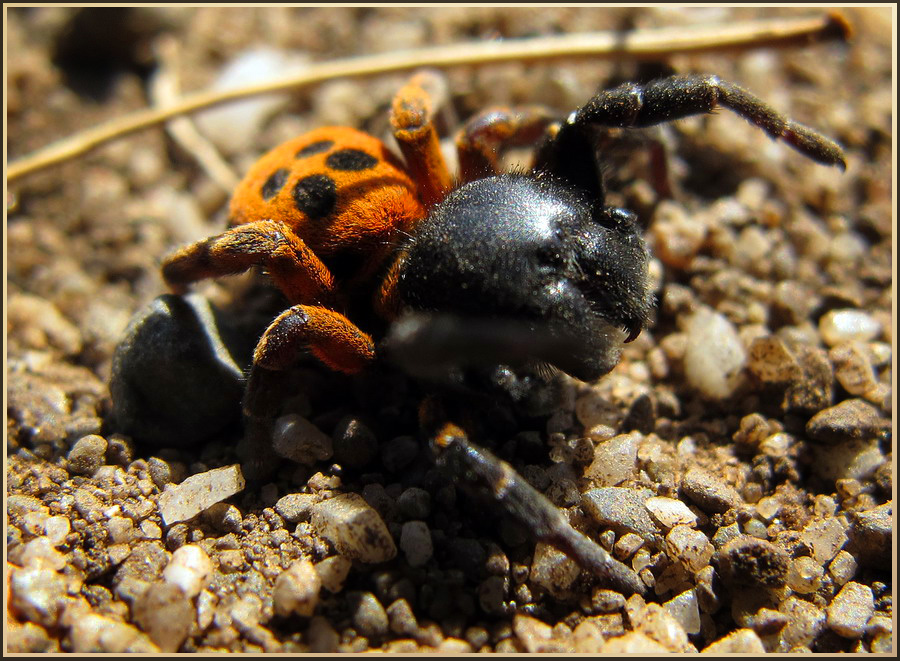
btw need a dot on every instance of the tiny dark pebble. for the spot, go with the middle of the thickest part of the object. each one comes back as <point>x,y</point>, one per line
<point>853,419</point>
<point>748,560</point>
<point>355,444</point>
<point>399,452</point>
<point>414,504</point>
<point>641,415</point>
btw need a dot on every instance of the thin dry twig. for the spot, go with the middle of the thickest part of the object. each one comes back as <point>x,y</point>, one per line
<point>644,44</point>
<point>164,91</point>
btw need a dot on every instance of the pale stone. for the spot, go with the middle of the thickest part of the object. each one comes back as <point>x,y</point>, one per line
<point>198,492</point>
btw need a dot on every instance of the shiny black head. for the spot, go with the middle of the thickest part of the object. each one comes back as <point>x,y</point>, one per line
<point>530,250</point>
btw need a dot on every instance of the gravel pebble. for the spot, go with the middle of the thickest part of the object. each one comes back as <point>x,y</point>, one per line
<point>634,642</point>
<point>166,614</point>
<point>842,568</point>
<point>614,460</point>
<point>850,460</point>
<point>57,529</point>
<point>804,575</point>
<point>740,641</point>
<point>188,569</point>
<point>709,492</point>
<point>297,439</point>
<point>296,507</point>
<point>414,503</point>
<point>656,622</point>
<point>690,547</point>
<point>297,589</point>
<point>415,542</point>
<point>553,570</point>
<point>803,622</point>
<point>369,616</point>
<point>825,537</point>
<point>714,357</point>
<point>850,610</point>
<point>669,512</point>
<point>87,455</point>
<point>186,500</point>
<point>536,636</point>
<point>685,609</point>
<point>623,510</point>
<point>838,326</point>
<point>398,453</point>
<point>853,369</point>
<point>402,620</point>
<point>853,419</point>
<point>871,532</point>
<point>748,560</point>
<point>814,390</point>
<point>334,571</point>
<point>354,528</point>
<point>355,444</point>
<point>770,361</point>
<point>36,594</point>
<point>95,633</point>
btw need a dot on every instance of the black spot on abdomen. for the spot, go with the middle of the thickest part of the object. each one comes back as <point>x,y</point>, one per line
<point>314,148</point>
<point>274,184</point>
<point>350,160</point>
<point>315,195</point>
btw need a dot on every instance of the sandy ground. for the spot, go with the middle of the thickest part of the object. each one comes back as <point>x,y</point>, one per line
<point>773,527</point>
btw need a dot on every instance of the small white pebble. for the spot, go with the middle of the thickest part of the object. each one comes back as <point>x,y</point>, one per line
<point>39,553</point>
<point>714,357</point>
<point>354,528</point>
<point>850,610</point>
<point>805,575</point>
<point>121,529</point>
<point>838,326</point>
<point>333,571</point>
<point>188,568</point>
<point>57,528</point>
<point>297,589</point>
<point>669,512</point>
<point>842,568</point>
<point>186,500</point>
<point>685,609</point>
<point>689,547</point>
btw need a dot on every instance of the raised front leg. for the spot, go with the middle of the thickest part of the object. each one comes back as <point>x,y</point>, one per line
<point>293,266</point>
<point>571,152</point>
<point>412,121</point>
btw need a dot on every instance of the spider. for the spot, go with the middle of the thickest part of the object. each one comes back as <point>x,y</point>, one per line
<point>382,256</point>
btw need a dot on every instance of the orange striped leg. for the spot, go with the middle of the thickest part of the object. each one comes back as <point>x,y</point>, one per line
<point>294,267</point>
<point>483,136</point>
<point>328,335</point>
<point>412,121</point>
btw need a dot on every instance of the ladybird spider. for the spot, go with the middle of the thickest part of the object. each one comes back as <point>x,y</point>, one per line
<point>495,270</point>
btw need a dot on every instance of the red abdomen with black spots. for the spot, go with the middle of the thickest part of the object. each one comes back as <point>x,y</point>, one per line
<point>341,190</point>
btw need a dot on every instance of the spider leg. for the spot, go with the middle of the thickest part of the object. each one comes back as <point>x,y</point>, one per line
<point>328,335</point>
<point>482,472</point>
<point>479,141</point>
<point>412,120</point>
<point>570,153</point>
<point>294,268</point>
